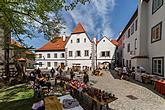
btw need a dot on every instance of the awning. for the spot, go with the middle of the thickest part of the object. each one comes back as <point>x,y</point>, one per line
<point>20,59</point>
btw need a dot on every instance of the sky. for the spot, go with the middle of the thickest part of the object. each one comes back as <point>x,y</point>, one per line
<point>99,18</point>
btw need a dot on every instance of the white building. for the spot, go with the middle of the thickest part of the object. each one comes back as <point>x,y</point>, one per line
<point>76,50</point>
<point>79,48</point>
<point>52,54</point>
<point>143,37</point>
<point>105,51</point>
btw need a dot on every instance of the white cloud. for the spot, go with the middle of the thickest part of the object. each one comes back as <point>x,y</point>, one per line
<point>94,16</point>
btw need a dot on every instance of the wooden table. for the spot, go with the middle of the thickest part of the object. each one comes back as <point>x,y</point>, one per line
<point>102,103</point>
<point>52,103</point>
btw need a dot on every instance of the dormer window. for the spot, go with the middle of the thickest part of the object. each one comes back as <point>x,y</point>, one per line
<point>71,41</point>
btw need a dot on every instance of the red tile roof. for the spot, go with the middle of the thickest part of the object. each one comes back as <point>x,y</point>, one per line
<point>78,29</point>
<point>55,44</point>
<point>114,42</point>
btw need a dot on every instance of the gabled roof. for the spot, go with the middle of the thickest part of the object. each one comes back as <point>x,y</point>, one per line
<point>56,44</point>
<point>114,42</point>
<point>78,29</point>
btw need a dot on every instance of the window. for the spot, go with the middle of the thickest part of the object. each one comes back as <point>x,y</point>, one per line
<point>132,29</point>
<point>129,63</point>
<point>40,55</point>
<point>123,45</point>
<point>103,40</point>
<point>126,63</point>
<point>128,47</point>
<point>84,40</point>
<point>156,32</point>
<point>107,53</point>
<point>128,33</point>
<point>135,44</point>
<point>70,53</point>
<point>55,55</point>
<point>136,24</point>
<point>78,53</point>
<point>40,64</point>
<point>158,65</point>
<point>48,64</point>
<point>48,55</point>
<point>86,53</point>
<point>71,41</point>
<point>156,4</point>
<point>103,54</point>
<point>62,55</point>
<point>78,40</point>
<point>55,64</point>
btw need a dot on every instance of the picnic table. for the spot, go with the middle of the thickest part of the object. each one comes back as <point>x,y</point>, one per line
<point>52,103</point>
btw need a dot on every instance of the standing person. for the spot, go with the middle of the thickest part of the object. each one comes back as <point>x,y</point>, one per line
<point>38,71</point>
<point>60,71</point>
<point>52,71</point>
<point>71,74</point>
<point>124,72</point>
<point>85,78</point>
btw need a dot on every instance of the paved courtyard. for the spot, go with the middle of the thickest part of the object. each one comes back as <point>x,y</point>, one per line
<point>145,99</point>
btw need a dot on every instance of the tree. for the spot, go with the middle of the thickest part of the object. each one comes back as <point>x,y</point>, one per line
<point>17,16</point>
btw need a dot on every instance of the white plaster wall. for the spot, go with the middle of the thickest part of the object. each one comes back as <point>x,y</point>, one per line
<point>82,46</point>
<point>44,58</point>
<point>105,46</point>
<point>156,49</point>
<point>131,40</point>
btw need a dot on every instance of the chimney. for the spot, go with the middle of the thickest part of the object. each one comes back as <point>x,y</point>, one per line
<point>94,39</point>
<point>64,37</point>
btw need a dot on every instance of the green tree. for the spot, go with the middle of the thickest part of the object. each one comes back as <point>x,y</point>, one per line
<point>17,16</point>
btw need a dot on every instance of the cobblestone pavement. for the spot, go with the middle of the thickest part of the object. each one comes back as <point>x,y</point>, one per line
<point>146,99</point>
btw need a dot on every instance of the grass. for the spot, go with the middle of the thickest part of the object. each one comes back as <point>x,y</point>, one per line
<point>17,97</point>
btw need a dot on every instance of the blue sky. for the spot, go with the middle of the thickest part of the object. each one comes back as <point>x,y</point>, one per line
<point>99,18</point>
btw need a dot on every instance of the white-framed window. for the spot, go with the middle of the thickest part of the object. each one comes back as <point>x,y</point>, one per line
<point>103,54</point>
<point>48,64</point>
<point>71,41</point>
<point>84,40</point>
<point>156,32</point>
<point>128,47</point>
<point>55,55</point>
<point>55,64</point>
<point>40,55</point>
<point>86,53</point>
<point>40,64</point>
<point>48,55</point>
<point>107,53</point>
<point>78,40</point>
<point>158,65</point>
<point>70,53</point>
<point>62,55</point>
<point>132,29</point>
<point>78,53</point>
<point>129,33</point>
<point>135,44</point>
<point>156,4</point>
<point>136,24</point>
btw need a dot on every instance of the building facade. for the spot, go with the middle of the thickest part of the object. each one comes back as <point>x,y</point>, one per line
<point>77,50</point>
<point>143,38</point>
